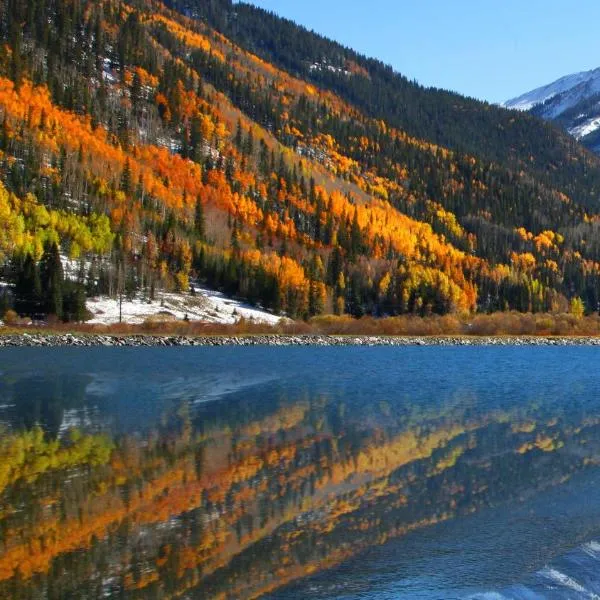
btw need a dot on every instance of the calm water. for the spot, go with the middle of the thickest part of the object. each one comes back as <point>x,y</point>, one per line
<point>293,473</point>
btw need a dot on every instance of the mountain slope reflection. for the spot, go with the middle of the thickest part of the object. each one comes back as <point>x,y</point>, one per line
<point>138,487</point>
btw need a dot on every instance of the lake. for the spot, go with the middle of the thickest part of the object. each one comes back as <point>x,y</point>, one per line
<point>300,473</point>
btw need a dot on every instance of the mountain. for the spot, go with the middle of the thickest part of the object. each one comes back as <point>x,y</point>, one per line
<point>153,145</point>
<point>445,118</point>
<point>573,102</point>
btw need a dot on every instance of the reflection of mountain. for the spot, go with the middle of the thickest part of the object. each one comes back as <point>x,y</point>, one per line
<point>199,389</point>
<point>43,399</point>
<point>239,502</point>
<point>468,557</point>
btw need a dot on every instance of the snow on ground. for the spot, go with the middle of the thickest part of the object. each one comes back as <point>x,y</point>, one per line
<point>587,127</point>
<point>205,305</point>
<point>107,71</point>
<point>72,267</point>
<point>325,66</point>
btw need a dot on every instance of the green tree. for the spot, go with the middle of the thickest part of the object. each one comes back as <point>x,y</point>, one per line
<point>28,288</point>
<point>126,179</point>
<point>199,219</point>
<point>52,281</point>
<point>74,308</point>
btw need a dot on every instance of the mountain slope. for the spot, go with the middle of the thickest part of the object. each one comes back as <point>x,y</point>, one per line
<point>572,101</point>
<point>562,94</point>
<point>445,118</point>
<point>153,148</point>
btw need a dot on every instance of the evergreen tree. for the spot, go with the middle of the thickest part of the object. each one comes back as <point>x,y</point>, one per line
<point>74,302</point>
<point>199,219</point>
<point>28,288</point>
<point>52,278</point>
<point>126,178</point>
<point>136,90</point>
<point>355,236</point>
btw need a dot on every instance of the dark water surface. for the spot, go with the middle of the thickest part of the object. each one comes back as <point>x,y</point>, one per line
<point>293,473</point>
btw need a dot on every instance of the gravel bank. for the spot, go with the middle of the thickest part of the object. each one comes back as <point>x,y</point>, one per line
<point>135,341</point>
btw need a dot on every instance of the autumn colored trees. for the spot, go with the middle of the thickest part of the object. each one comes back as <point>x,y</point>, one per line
<point>154,151</point>
<point>242,501</point>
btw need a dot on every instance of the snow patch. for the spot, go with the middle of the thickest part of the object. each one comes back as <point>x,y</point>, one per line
<point>73,267</point>
<point>587,127</point>
<point>324,66</point>
<point>205,305</point>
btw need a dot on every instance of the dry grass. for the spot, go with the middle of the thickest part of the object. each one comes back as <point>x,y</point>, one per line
<point>166,327</point>
<point>497,324</point>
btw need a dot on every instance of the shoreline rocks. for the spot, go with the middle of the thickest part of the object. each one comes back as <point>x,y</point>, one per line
<point>140,341</point>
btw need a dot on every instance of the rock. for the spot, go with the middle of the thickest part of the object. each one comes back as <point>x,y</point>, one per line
<point>40,339</point>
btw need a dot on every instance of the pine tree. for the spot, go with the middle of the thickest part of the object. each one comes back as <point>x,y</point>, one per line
<point>136,90</point>
<point>52,281</point>
<point>126,182</point>
<point>355,236</point>
<point>249,145</point>
<point>238,135</point>
<point>199,219</point>
<point>28,288</point>
<point>74,302</point>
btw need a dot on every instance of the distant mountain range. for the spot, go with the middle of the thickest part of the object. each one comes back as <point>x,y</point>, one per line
<point>572,101</point>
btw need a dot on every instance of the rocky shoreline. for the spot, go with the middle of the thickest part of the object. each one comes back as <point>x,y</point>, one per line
<point>138,341</point>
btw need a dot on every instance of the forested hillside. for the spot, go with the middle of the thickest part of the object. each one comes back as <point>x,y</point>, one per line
<point>153,148</point>
<point>445,118</point>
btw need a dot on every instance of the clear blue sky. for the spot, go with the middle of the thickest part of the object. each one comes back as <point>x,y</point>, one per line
<point>489,50</point>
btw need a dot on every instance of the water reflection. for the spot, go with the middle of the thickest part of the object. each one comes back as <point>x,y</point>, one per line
<point>266,484</point>
<point>43,400</point>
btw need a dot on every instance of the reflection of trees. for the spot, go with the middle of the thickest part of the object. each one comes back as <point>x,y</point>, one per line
<point>239,500</point>
<point>43,399</point>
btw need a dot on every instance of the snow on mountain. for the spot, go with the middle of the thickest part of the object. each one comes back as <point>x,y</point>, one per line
<point>576,84</point>
<point>570,100</point>
<point>588,126</point>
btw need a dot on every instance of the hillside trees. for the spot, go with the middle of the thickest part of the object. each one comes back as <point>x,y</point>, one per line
<point>155,151</point>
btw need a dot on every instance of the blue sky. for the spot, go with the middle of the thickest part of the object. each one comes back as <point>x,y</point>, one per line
<point>489,50</point>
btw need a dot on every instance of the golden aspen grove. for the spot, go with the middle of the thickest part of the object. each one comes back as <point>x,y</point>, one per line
<point>157,149</point>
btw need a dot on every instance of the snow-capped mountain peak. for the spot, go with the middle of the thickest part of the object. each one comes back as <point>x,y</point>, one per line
<point>572,101</point>
<point>576,83</point>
